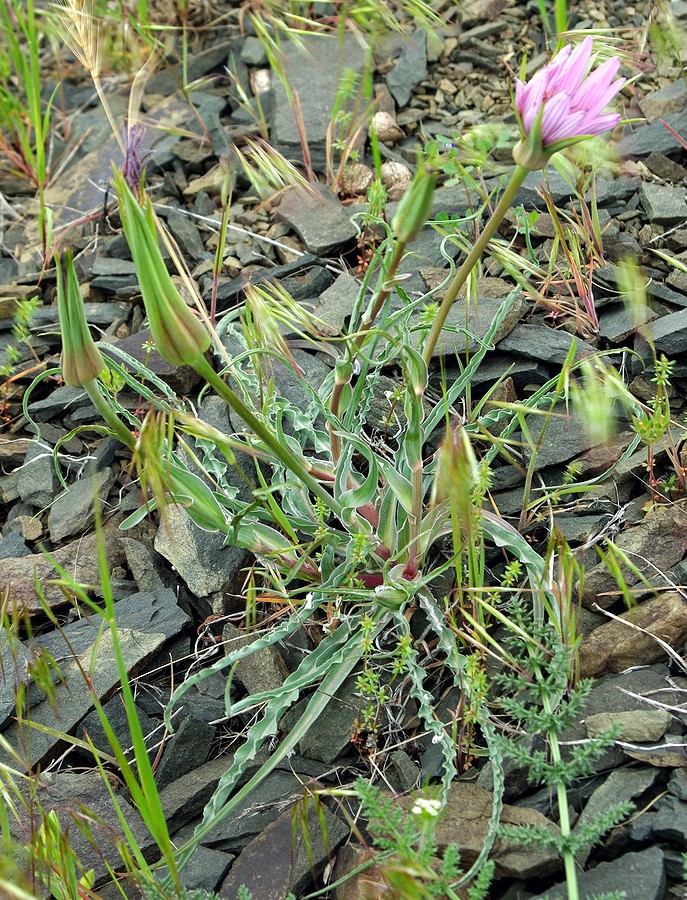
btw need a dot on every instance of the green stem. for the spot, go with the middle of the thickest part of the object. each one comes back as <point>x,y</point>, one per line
<point>563,812</point>
<point>118,428</point>
<point>358,341</point>
<point>462,274</point>
<point>267,436</point>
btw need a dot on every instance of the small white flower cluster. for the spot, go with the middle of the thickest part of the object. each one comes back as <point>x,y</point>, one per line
<point>424,807</point>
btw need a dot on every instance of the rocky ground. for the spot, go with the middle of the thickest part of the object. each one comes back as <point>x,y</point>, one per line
<point>179,589</point>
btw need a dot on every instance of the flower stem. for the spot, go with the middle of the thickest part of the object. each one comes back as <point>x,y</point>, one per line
<point>563,811</point>
<point>296,466</point>
<point>462,274</point>
<point>359,340</point>
<point>118,428</point>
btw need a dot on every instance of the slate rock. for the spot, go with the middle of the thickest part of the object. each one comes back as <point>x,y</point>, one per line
<point>636,726</point>
<point>331,733</point>
<point>548,345</point>
<point>529,194</point>
<point>640,875</point>
<point>618,323</point>
<point>12,546</point>
<point>465,822</point>
<point>181,379</point>
<point>186,234</point>
<point>84,798</point>
<point>478,319</point>
<point>616,646</point>
<point>202,558</point>
<point>185,798</point>
<point>38,484</point>
<point>144,622</point>
<point>200,62</point>
<point>664,168</point>
<point>293,860</point>
<point>410,68</point>
<point>60,400</point>
<point>79,558</point>
<point>204,871</point>
<point>644,139</point>
<point>661,539</point>
<point>74,511</point>
<point>318,218</point>
<point>670,821</point>
<point>259,809</point>
<point>115,711</point>
<point>320,60</point>
<point>146,566</point>
<point>335,304</point>
<point>669,99</point>
<point>263,670</point>
<point>253,52</point>
<point>669,333</point>
<point>558,437</point>
<point>663,205</point>
<point>621,786</point>
<point>187,749</point>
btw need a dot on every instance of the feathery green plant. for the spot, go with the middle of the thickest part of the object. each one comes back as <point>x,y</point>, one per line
<point>535,694</point>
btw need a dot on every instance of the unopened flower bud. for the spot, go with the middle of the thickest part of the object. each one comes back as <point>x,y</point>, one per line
<point>414,208</point>
<point>179,336</point>
<point>81,362</point>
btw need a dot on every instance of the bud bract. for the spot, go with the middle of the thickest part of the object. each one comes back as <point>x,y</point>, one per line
<point>81,361</point>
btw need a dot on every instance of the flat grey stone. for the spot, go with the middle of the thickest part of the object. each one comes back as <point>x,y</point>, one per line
<point>410,68</point>
<point>319,60</point>
<point>184,799</point>
<point>202,558</point>
<point>74,511</point>
<point>644,139</point>
<point>38,484</point>
<point>187,749</point>
<point>13,546</point>
<point>670,821</point>
<point>620,322</point>
<point>548,345</point>
<point>320,221</point>
<point>641,875</point>
<point>478,320</point>
<point>669,333</point>
<point>72,795</point>
<point>186,233</point>
<point>263,670</point>
<point>529,194</point>
<point>621,786</point>
<point>115,711</point>
<point>205,869</point>
<point>663,204</point>
<point>60,400</point>
<point>669,99</point>
<point>281,860</point>
<point>335,305</point>
<point>144,623</point>
<point>253,52</point>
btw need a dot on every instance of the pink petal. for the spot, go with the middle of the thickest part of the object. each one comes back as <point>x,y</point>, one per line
<point>556,114</point>
<point>597,82</point>
<point>570,76</point>
<point>599,124</point>
<point>532,102</point>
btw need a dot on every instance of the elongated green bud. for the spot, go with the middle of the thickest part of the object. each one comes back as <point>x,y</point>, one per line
<point>414,208</point>
<point>179,336</point>
<point>81,362</point>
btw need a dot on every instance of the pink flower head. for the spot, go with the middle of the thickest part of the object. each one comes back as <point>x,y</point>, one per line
<point>568,102</point>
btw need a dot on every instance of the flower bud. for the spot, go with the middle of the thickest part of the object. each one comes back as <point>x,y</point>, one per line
<point>179,336</point>
<point>81,362</point>
<point>415,205</point>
